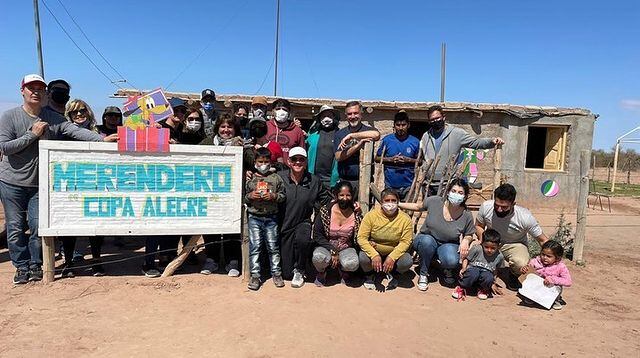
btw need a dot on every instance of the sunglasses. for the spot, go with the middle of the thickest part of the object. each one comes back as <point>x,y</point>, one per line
<point>79,112</point>
<point>298,159</point>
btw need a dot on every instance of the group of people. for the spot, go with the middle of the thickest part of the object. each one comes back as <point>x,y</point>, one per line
<point>301,193</point>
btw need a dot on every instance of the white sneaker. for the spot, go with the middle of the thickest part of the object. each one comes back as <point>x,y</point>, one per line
<point>232,268</point>
<point>423,283</point>
<point>369,284</point>
<point>209,267</point>
<point>298,279</point>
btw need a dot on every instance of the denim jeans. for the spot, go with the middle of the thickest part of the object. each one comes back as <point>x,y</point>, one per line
<point>21,209</point>
<point>427,247</point>
<point>477,276</point>
<point>263,228</point>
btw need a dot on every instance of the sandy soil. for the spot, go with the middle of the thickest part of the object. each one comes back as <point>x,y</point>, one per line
<point>190,314</point>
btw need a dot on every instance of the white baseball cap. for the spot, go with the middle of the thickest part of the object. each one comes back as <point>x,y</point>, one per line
<point>32,78</point>
<point>297,151</point>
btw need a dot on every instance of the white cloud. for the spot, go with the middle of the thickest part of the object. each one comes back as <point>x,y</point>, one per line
<point>631,104</point>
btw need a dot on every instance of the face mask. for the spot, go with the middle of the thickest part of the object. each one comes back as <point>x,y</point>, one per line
<point>390,208</point>
<point>258,113</point>
<point>240,119</point>
<point>263,169</point>
<point>281,115</point>
<point>345,204</point>
<point>193,126</point>
<point>327,122</point>
<point>208,106</point>
<point>60,96</point>
<point>437,125</point>
<point>502,214</point>
<point>455,198</point>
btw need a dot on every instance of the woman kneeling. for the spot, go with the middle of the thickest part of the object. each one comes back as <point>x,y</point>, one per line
<point>334,230</point>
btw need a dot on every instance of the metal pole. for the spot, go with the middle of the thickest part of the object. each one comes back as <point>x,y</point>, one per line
<point>443,70</point>
<point>275,77</point>
<point>36,18</point>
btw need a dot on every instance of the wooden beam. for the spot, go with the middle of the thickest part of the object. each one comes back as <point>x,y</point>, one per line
<point>615,167</point>
<point>182,256</point>
<point>245,247</point>
<point>48,259</point>
<point>581,221</point>
<point>497,166</point>
<point>366,161</point>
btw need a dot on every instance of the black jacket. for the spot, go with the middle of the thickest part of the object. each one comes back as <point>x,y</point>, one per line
<point>301,200</point>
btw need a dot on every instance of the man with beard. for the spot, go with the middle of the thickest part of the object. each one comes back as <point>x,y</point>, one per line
<point>443,140</point>
<point>322,161</point>
<point>282,129</point>
<point>58,96</point>
<point>21,129</point>
<point>304,194</point>
<point>400,155</point>
<point>513,223</point>
<point>349,140</point>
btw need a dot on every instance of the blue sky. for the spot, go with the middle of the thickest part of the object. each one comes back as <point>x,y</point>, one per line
<point>561,53</point>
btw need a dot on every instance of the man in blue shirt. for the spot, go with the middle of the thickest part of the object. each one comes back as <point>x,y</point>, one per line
<point>349,140</point>
<point>399,152</point>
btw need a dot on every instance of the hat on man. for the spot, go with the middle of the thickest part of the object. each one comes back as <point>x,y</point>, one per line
<point>260,100</point>
<point>32,78</point>
<point>325,108</point>
<point>176,102</point>
<point>281,102</point>
<point>297,151</point>
<point>208,93</point>
<point>112,110</point>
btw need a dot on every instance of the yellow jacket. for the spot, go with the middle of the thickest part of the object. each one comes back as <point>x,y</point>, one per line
<point>391,237</point>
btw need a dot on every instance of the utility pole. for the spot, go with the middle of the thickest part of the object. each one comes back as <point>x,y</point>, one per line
<point>443,70</point>
<point>36,18</point>
<point>275,77</point>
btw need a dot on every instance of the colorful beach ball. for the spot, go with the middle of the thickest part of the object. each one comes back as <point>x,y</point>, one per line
<point>550,188</point>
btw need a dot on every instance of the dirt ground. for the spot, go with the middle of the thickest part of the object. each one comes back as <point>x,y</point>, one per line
<point>623,176</point>
<point>125,314</point>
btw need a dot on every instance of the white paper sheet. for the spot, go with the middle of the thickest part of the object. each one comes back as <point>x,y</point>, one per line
<point>534,289</point>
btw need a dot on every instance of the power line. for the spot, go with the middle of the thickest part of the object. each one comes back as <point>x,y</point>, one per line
<point>78,47</point>
<point>266,75</point>
<point>94,47</point>
<point>233,17</point>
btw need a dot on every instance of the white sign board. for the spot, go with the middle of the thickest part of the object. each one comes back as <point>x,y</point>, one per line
<point>89,188</point>
<point>534,289</point>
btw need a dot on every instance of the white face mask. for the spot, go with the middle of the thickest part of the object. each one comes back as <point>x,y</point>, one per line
<point>281,115</point>
<point>390,208</point>
<point>326,122</point>
<point>193,126</point>
<point>263,169</point>
<point>258,113</point>
<point>455,198</point>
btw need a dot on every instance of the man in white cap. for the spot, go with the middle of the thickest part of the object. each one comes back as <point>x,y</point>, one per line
<point>20,130</point>
<point>304,193</point>
<point>322,161</point>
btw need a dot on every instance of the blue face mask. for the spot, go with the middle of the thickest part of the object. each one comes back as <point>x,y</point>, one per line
<point>455,198</point>
<point>208,106</point>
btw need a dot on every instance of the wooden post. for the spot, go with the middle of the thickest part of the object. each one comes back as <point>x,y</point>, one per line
<point>497,166</point>
<point>581,220</point>
<point>366,160</point>
<point>615,167</point>
<point>245,247</point>
<point>182,256</point>
<point>48,258</point>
